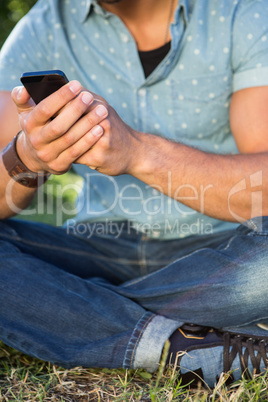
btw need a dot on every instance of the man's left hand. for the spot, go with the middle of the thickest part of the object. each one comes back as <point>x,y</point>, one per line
<point>116,152</point>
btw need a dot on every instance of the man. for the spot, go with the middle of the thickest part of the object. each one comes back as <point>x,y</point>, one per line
<point>173,152</point>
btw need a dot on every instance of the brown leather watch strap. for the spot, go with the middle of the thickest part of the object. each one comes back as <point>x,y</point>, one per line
<point>17,170</point>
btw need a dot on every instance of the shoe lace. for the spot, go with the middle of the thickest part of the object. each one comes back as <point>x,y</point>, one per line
<point>245,347</point>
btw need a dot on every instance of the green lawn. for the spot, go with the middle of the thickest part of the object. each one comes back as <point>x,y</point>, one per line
<point>55,201</point>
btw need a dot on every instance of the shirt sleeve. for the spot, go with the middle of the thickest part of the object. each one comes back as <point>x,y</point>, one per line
<point>250,44</point>
<point>28,47</point>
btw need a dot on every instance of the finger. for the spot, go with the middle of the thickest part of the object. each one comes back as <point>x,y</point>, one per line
<point>49,107</point>
<point>87,123</point>
<point>68,117</point>
<point>22,99</point>
<point>71,154</point>
<point>87,126</point>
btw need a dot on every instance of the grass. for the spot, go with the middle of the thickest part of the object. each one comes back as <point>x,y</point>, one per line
<point>23,378</point>
<point>55,201</point>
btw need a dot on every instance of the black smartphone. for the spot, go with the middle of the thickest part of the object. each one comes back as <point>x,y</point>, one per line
<point>41,84</point>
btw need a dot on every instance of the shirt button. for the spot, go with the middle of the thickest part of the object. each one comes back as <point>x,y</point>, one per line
<point>142,92</point>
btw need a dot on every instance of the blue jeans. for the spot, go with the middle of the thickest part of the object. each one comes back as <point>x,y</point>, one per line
<point>104,300</point>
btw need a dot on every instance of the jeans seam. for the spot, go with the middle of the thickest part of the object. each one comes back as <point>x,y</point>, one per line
<point>137,340</point>
<point>255,234</point>
<point>229,243</point>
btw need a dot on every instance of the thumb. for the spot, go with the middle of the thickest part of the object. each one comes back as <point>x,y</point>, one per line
<point>22,99</point>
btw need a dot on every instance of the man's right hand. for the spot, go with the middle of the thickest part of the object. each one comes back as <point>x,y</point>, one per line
<point>53,144</point>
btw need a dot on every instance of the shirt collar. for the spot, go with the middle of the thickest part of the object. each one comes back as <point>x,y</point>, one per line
<point>184,4</point>
<point>84,10</point>
<point>185,7</point>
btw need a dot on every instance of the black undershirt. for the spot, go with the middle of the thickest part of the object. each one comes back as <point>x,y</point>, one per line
<point>150,59</point>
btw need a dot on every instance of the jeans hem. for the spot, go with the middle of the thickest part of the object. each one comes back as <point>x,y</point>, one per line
<point>147,341</point>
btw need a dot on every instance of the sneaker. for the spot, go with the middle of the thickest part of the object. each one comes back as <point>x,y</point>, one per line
<point>203,353</point>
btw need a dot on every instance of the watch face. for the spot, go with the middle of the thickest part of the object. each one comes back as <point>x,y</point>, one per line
<point>24,177</point>
<point>25,183</point>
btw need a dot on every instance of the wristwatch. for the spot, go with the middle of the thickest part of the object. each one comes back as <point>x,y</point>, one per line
<point>17,170</point>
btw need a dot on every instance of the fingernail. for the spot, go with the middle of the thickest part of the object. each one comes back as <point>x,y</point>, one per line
<point>75,86</point>
<point>97,130</point>
<point>101,111</point>
<point>87,98</point>
<point>18,91</point>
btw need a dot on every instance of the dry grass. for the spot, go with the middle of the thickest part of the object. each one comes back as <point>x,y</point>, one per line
<point>23,378</point>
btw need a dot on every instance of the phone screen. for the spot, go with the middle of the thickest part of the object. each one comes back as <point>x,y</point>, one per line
<point>41,84</point>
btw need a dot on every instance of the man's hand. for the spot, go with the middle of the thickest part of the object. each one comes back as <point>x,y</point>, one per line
<point>117,151</point>
<point>53,144</point>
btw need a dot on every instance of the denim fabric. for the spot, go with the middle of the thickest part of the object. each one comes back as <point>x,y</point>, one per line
<point>218,47</point>
<point>112,301</point>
